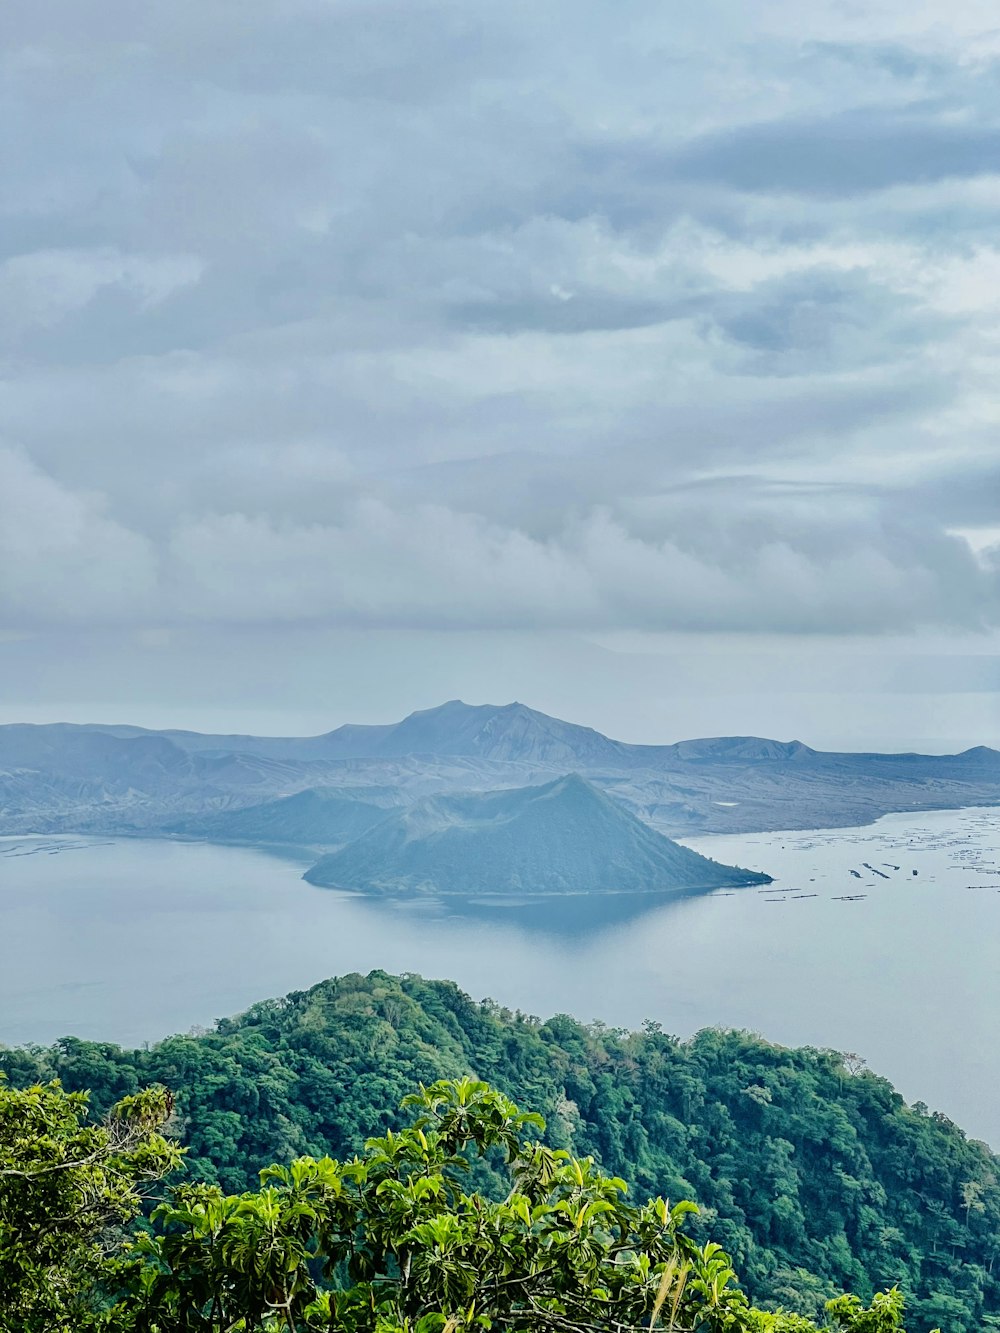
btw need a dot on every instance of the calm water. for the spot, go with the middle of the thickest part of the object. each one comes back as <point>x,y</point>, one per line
<point>130,940</point>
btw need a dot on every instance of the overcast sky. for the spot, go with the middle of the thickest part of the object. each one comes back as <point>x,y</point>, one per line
<point>638,360</point>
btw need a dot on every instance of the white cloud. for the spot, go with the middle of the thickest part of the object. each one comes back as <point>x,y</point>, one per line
<point>433,566</point>
<point>62,558</point>
<point>415,314</point>
<point>705,562</point>
<point>40,288</point>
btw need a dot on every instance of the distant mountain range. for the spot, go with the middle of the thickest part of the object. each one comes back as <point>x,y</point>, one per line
<point>507,733</point>
<point>322,791</point>
<point>562,837</point>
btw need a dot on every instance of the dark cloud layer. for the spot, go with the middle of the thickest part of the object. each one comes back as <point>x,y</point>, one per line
<point>851,153</point>
<point>474,317</point>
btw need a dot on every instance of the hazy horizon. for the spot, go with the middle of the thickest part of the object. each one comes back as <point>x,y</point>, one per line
<point>263,723</point>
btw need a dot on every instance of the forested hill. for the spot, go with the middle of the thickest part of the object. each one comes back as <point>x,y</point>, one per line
<point>810,1170</point>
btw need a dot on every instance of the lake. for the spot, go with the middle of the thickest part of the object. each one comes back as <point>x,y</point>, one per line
<point>128,940</point>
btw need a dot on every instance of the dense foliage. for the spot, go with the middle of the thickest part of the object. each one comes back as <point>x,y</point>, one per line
<point>65,1184</point>
<point>808,1169</point>
<point>386,1242</point>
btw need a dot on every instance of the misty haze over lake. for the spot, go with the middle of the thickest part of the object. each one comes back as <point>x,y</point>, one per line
<point>143,938</point>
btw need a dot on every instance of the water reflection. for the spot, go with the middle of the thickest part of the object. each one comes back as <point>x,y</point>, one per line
<point>848,948</point>
<point>564,916</point>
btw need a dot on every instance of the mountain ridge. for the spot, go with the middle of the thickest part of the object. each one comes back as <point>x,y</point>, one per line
<point>479,730</point>
<point>314,817</point>
<point>123,779</point>
<point>564,836</point>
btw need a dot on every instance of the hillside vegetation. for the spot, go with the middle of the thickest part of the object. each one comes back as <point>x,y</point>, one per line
<point>808,1169</point>
<point>390,1240</point>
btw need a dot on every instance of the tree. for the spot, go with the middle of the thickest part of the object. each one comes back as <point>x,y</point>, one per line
<point>65,1187</point>
<point>869,1194</point>
<point>972,1195</point>
<point>390,1242</point>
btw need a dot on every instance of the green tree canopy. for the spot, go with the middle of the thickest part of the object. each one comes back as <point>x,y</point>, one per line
<point>809,1170</point>
<point>391,1241</point>
<point>66,1189</point>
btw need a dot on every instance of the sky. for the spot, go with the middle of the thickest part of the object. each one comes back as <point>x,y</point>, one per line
<point>637,361</point>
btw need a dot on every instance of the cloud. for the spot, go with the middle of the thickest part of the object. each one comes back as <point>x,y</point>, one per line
<point>39,289</point>
<point>746,557</point>
<point>61,557</point>
<point>409,314</point>
<point>853,152</point>
<point>824,320</point>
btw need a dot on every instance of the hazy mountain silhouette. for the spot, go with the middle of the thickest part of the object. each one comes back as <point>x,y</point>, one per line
<point>316,817</point>
<point>563,837</point>
<point>125,779</point>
